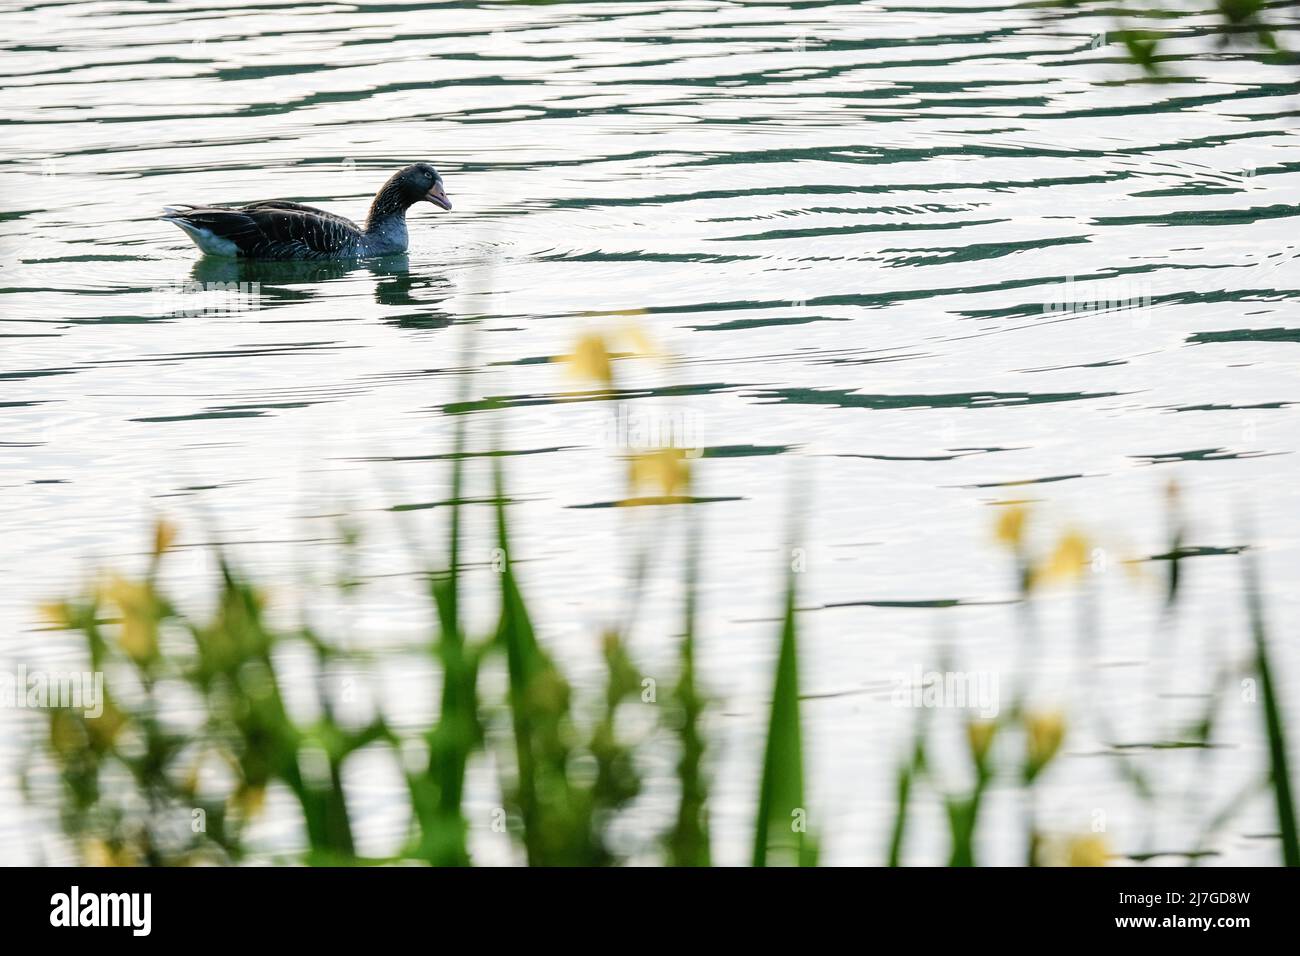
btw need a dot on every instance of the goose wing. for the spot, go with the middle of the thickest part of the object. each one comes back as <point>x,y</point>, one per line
<point>286,206</point>
<point>270,230</point>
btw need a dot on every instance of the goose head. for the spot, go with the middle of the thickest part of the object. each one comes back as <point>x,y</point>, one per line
<point>423,182</point>
<point>417,183</point>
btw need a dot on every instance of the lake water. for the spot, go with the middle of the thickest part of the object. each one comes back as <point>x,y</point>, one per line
<point>905,262</point>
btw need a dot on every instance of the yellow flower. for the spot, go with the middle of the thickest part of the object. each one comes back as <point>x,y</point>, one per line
<point>1044,733</point>
<point>56,613</point>
<point>102,731</point>
<point>591,359</point>
<point>139,607</point>
<point>1089,850</point>
<point>1010,528</point>
<point>164,536</point>
<point>979,734</point>
<point>665,470</point>
<point>1069,561</point>
<point>97,852</point>
<point>1073,849</point>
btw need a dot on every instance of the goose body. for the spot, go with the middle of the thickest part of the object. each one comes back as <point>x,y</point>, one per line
<point>276,229</point>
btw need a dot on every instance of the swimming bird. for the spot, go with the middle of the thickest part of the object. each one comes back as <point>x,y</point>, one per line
<point>275,229</point>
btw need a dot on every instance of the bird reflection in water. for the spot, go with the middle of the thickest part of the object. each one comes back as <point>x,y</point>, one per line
<point>419,293</point>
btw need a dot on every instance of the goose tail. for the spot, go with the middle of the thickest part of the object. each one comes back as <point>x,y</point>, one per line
<point>205,234</point>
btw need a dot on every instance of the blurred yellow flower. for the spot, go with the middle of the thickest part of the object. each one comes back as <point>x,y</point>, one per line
<point>979,734</point>
<point>164,536</point>
<point>1010,528</point>
<point>1069,561</point>
<point>97,852</point>
<point>1089,850</point>
<point>57,613</point>
<point>590,359</point>
<point>140,612</point>
<point>1073,849</point>
<point>1044,732</point>
<point>664,470</point>
<point>103,730</point>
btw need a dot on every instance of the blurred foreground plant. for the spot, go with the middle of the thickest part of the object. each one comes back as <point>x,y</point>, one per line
<point>194,731</point>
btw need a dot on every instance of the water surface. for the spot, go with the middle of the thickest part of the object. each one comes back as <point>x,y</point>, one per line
<point>870,238</point>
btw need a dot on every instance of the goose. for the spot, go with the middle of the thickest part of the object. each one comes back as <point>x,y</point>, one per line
<point>276,229</point>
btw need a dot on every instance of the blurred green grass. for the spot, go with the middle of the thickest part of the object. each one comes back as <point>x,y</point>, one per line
<point>570,768</point>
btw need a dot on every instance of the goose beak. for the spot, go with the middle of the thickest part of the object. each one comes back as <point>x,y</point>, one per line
<point>438,197</point>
